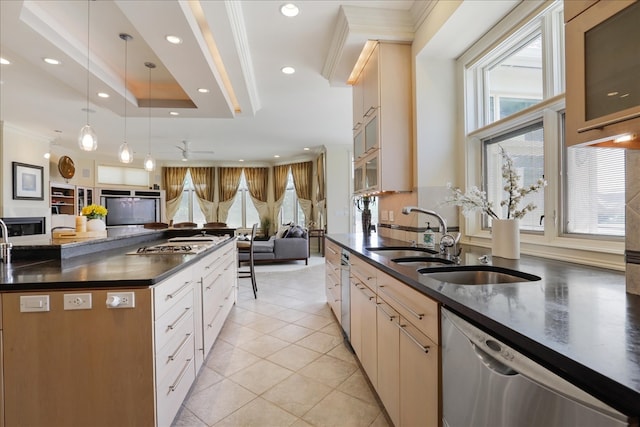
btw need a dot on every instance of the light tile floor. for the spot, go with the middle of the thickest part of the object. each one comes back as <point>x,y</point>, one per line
<point>280,361</point>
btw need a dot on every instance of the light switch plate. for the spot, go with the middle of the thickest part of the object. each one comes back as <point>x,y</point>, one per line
<point>77,301</point>
<point>34,303</point>
<point>384,215</point>
<point>391,216</point>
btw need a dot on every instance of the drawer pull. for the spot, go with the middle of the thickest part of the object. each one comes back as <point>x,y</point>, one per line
<point>424,348</point>
<point>417,315</point>
<point>172,295</point>
<point>232,263</point>
<point>175,385</point>
<point>179,349</point>
<point>390,316</point>
<point>179,319</point>
<point>332,251</point>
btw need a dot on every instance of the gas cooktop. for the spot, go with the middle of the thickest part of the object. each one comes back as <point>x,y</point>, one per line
<point>170,248</point>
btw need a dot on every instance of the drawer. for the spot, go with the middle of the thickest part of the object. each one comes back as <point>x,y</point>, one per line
<point>173,388</point>
<point>171,321</point>
<point>169,291</point>
<point>167,355</point>
<point>364,272</point>
<point>217,261</point>
<point>332,252</point>
<point>417,308</point>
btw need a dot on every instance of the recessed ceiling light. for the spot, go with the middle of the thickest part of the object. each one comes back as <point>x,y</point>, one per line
<point>173,39</point>
<point>288,70</point>
<point>103,95</point>
<point>51,61</point>
<point>306,148</point>
<point>4,61</point>
<point>277,156</point>
<point>203,90</point>
<point>174,113</point>
<point>241,160</point>
<point>289,10</point>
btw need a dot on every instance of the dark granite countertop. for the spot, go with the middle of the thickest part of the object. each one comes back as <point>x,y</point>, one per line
<point>577,321</point>
<point>101,265</point>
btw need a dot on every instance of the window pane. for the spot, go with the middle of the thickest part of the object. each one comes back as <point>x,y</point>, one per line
<point>595,184</point>
<point>526,149</point>
<point>234,219</point>
<point>252,212</point>
<point>198,215</point>
<point>514,82</point>
<point>287,212</point>
<point>182,215</point>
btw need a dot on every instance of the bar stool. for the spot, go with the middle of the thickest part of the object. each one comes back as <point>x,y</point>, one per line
<point>250,272</point>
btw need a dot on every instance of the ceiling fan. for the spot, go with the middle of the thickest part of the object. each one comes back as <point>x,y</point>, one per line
<point>186,152</point>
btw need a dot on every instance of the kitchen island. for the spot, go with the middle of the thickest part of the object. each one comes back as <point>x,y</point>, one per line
<point>577,321</point>
<point>111,336</point>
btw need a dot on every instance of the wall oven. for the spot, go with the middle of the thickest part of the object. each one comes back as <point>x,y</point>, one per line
<point>602,69</point>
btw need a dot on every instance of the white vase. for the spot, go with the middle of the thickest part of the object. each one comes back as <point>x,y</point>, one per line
<point>505,238</point>
<point>96,225</point>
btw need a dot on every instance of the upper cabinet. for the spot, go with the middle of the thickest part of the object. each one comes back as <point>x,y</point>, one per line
<point>602,68</point>
<point>382,121</point>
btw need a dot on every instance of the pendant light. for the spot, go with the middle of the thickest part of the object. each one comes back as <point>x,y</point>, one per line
<point>149,163</point>
<point>87,139</point>
<point>125,155</point>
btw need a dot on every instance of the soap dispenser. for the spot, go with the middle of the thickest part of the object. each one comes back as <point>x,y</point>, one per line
<point>429,237</point>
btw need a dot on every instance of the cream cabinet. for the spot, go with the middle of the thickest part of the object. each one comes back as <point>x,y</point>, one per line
<point>383,125</point>
<point>333,287</point>
<point>409,360</point>
<point>363,316</point>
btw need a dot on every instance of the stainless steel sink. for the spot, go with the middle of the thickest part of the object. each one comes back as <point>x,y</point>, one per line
<point>477,275</point>
<point>401,251</point>
<point>422,261</point>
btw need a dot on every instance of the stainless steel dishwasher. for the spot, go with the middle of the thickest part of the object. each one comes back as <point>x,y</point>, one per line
<point>487,383</point>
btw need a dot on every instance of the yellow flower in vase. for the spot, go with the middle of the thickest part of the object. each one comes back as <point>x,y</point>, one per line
<point>94,211</point>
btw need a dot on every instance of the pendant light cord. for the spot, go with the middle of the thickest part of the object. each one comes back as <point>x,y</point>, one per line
<point>88,52</point>
<point>126,44</point>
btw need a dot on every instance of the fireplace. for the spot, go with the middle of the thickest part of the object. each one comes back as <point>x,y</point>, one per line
<point>25,226</point>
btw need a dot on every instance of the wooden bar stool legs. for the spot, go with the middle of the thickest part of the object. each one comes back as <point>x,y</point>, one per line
<point>250,272</point>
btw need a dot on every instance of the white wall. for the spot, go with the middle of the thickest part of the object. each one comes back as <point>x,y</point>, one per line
<point>338,188</point>
<point>20,146</point>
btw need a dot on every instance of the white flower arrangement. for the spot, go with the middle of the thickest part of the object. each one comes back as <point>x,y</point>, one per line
<point>476,200</point>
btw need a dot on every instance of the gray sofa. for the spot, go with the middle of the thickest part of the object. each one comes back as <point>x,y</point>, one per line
<point>279,249</point>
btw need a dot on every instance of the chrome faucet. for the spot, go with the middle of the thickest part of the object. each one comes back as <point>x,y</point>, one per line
<point>5,246</point>
<point>447,241</point>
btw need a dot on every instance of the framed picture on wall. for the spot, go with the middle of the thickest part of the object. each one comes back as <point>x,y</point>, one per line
<point>28,182</point>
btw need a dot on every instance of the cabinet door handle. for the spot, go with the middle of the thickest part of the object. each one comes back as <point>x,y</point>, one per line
<point>182,344</point>
<point>332,251</point>
<point>175,385</point>
<point>179,319</point>
<point>369,111</point>
<point>424,348</point>
<point>400,303</point>
<point>390,316</point>
<point>172,295</point>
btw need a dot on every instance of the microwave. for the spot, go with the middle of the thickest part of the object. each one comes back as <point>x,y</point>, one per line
<point>602,51</point>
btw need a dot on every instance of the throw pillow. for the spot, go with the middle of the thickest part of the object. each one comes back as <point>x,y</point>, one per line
<point>296,231</point>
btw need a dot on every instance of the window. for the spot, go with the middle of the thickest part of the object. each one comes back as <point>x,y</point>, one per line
<point>291,210</point>
<point>594,189</point>
<point>189,210</point>
<point>525,146</point>
<point>243,214</point>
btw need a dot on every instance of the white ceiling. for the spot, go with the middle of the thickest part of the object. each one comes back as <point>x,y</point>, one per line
<point>278,114</point>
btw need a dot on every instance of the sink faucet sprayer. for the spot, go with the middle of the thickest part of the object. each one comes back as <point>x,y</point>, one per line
<point>447,240</point>
<point>5,246</point>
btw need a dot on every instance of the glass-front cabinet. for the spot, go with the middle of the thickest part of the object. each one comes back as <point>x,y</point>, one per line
<point>85,197</point>
<point>366,175</point>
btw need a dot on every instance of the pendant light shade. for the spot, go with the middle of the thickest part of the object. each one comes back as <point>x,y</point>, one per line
<point>87,139</point>
<point>149,163</point>
<point>125,154</point>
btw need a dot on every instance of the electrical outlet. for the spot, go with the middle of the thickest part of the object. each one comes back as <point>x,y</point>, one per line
<point>121,300</point>
<point>77,301</point>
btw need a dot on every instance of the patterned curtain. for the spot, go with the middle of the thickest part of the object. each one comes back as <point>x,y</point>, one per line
<point>173,183</point>
<point>203,179</point>
<point>303,181</point>
<point>280,175</point>
<point>228,182</point>
<point>257,179</point>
